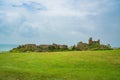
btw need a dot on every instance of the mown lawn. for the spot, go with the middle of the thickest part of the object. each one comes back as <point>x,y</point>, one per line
<point>73,65</point>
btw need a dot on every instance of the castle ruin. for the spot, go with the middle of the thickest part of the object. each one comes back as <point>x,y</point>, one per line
<point>91,45</point>
<point>90,41</point>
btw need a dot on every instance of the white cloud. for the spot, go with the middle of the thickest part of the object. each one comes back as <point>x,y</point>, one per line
<point>77,7</point>
<point>52,17</point>
<point>66,7</point>
<point>38,19</point>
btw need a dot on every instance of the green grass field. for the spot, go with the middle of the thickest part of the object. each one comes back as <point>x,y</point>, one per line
<point>73,65</point>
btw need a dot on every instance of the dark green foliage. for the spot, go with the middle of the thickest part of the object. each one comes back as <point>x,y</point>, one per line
<point>73,48</point>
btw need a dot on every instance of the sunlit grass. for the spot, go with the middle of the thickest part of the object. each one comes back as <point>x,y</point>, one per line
<point>73,65</point>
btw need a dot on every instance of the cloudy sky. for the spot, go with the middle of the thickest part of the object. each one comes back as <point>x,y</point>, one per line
<point>59,21</point>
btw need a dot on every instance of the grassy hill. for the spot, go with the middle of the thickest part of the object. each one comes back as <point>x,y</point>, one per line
<point>73,65</point>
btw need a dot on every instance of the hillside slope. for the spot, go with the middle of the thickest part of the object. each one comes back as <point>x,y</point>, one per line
<point>74,65</point>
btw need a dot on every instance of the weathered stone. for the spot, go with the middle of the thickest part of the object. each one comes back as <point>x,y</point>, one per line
<point>92,45</point>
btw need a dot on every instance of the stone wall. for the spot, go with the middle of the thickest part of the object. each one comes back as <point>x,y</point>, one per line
<point>92,45</point>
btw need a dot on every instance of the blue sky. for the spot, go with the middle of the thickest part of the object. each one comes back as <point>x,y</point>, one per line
<point>59,21</point>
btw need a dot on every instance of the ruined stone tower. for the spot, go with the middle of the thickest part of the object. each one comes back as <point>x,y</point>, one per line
<point>99,41</point>
<point>90,41</point>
